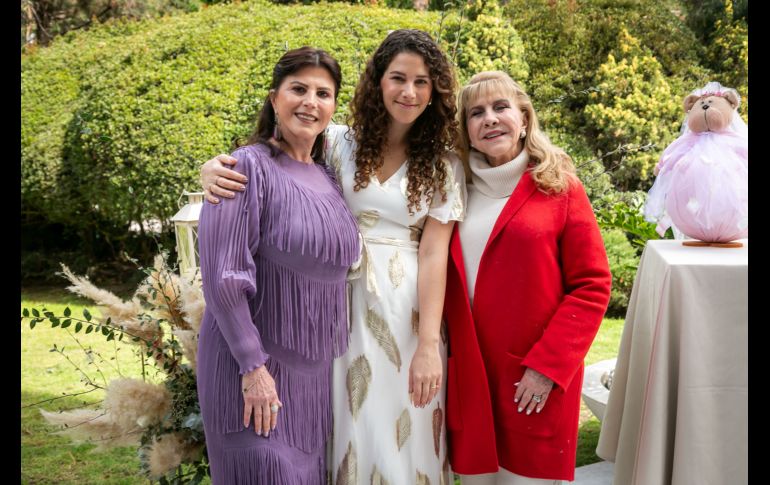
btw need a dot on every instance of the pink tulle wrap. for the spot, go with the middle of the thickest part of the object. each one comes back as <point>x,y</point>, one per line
<point>702,186</point>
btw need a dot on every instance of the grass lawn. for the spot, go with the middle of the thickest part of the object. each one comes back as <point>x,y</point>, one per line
<point>50,458</point>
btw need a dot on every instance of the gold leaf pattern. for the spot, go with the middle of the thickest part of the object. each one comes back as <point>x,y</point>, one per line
<point>358,379</point>
<point>458,207</point>
<point>415,233</point>
<point>377,478</point>
<point>396,269</point>
<point>347,473</point>
<point>403,428</point>
<point>415,322</point>
<point>438,421</point>
<point>368,219</point>
<point>422,479</point>
<point>384,337</point>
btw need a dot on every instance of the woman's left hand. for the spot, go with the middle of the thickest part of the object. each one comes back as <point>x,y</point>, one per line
<point>532,391</point>
<point>425,374</point>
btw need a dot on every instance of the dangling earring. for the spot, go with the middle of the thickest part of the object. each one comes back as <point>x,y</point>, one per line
<point>523,133</point>
<point>276,129</point>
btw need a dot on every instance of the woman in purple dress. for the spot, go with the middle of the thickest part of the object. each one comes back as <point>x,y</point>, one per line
<point>273,262</point>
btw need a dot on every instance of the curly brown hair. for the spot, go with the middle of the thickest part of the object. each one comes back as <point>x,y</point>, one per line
<point>433,133</point>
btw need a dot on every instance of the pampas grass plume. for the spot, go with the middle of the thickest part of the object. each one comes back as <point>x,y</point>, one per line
<point>133,403</point>
<point>91,425</point>
<point>189,341</point>
<point>168,451</point>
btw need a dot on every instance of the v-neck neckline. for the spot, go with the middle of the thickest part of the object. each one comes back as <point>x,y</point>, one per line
<point>401,167</point>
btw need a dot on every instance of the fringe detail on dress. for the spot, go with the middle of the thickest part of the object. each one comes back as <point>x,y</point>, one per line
<point>301,314</point>
<point>305,420</point>
<point>227,401</point>
<point>329,231</point>
<point>265,466</point>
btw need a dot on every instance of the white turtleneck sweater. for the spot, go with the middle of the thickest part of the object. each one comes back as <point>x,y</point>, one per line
<point>489,190</point>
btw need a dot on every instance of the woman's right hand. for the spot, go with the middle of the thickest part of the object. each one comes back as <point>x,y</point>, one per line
<point>217,179</point>
<point>259,395</point>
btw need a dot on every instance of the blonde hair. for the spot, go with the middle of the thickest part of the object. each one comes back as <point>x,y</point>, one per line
<point>552,169</point>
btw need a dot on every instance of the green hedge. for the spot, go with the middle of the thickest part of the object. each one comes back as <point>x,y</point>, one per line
<point>623,264</point>
<point>116,121</point>
<point>600,100</point>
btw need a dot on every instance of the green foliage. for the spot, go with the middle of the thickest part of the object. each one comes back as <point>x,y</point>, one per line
<point>486,42</point>
<point>728,55</point>
<point>117,120</point>
<point>623,210</point>
<point>634,104</point>
<point>623,264</point>
<point>154,320</point>
<point>566,43</point>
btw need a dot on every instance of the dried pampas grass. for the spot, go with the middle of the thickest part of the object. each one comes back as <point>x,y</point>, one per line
<point>168,451</point>
<point>192,303</point>
<point>134,404</point>
<point>189,341</point>
<point>92,425</point>
<point>125,314</point>
<point>161,289</point>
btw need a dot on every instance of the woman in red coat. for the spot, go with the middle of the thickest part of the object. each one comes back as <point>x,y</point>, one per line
<point>527,286</point>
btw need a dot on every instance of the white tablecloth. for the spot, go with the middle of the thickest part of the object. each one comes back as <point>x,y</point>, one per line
<point>678,407</point>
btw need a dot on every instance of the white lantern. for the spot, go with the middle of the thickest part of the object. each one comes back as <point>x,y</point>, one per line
<point>186,228</point>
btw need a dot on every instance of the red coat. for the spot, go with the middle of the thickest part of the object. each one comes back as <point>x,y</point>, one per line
<point>542,288</point>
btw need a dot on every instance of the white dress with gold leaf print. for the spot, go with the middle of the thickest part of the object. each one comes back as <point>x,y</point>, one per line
<point>379,437</point>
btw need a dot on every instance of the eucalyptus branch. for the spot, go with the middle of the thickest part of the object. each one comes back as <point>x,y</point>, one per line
<point>88,380</point>
<point>88,352</point>
<point>58,397</point>
<point>86,421</point>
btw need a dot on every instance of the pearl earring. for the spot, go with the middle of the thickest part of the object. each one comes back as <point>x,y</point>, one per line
<point>523,133</point>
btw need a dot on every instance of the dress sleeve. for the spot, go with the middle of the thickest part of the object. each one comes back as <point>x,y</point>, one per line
<point>453,208</point>
<point>586,278</point>
<point>332,147</point>
<point>227,234</point>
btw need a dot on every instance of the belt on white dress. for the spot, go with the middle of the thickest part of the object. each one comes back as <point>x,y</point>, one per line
<point>366,268</point>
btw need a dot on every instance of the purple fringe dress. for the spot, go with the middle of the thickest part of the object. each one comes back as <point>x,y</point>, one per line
<point>273,263</point>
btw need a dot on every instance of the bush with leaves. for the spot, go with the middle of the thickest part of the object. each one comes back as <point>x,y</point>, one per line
<point>566,43</point>
<point>623,264</point>
<point>481,39</point>
<point>634,104</point>
<point>161,418</point>
<point>728,54</point>
<point>117,120</point>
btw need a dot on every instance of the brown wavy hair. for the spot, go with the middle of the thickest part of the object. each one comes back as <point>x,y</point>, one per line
<point>431,135</point>
<point>291,62</point>
<point>551,168</point>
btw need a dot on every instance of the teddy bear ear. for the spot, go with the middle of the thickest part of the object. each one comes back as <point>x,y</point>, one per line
<point>689,101</point>
<point>733,97</point>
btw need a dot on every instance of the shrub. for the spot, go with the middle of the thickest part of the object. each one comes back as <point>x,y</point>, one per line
<point>623,264</point>
<point>634,105</point>
<point>117,120</point>
<point>566,43</point>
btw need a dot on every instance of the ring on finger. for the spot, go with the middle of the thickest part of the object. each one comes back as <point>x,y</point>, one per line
<point>537,398</point>
<point>274,408</point>
<point>434,386</point>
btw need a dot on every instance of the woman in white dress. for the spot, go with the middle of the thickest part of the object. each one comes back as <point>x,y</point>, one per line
<point>405,186</point>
